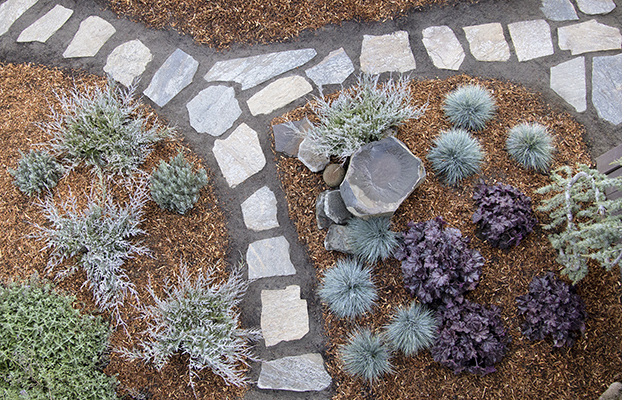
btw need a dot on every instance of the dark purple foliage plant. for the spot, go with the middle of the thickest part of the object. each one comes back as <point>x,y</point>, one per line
<point>553,308</point>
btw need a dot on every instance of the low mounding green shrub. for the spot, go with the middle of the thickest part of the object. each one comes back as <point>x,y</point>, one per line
<point>36,171</point>
<point>174,186</point>
<point>366,356</point>
<point>456,155</point>
<point>412,329</point>
<point>530,145</point>
<point>47,349</point>
<point>372,239</point>
<point>469,107</point>
<point>348,289</point>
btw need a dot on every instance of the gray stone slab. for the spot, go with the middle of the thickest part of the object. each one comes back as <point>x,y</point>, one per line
<point>93,33</point>
<point>289,135</point>
<point>43,28</point>
<point>443,47</point>
<point>269,257</point>
<point>259,210</point>
<point>298,374</point>
<point>589,36</point>
<point>568,81</point>
<point>607,87</point>
<point>11,10</point>
<point>322,220</point>
<point>337,239</point>
<point>284,316</point>
<point>487,42</point>
<point>387,53</point>
<point>308,155</point>
<point>174,75</point>
<point>251,71</point>
<point>531,39</point>
<point>334,207</point>
<point>214,110</point>
<point>278,94</point>
<point>559,10</point>
<point>593,7</point>
<point>128,61</point>
<point>239,156</point>
<point>332,70</point>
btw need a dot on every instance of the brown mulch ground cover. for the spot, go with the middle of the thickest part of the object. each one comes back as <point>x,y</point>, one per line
<point>198,239</point>
<point>530,370</point>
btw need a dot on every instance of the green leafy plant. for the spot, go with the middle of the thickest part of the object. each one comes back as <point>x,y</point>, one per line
<point>348,288</point>
<point>372,239</point>
<point>469,107</point>
<point>456,155</point>
<point>530,145</point>
<point>36,171</point>
<point>366,356</point>
<point>412,329</point>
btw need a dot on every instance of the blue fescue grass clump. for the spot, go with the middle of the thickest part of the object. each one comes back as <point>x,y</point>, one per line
<point>372,239</point>
<point>37,171</point>
<point>412,329</point>
<point>469,107</point>
<point>456,155</point>
<point>366,356</point>
<point>348,288</point>
<point>531,146</point>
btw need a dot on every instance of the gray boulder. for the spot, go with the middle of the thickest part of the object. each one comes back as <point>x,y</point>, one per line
<point>614,392</point>
<point>289,135</point>
<point>323,221</point>
<point>337,239</point>
<point>335,209</point>
<point>307,154</point>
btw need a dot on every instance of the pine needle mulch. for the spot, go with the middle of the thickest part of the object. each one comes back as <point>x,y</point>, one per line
<point>530,370</point>
<point>198,239</point>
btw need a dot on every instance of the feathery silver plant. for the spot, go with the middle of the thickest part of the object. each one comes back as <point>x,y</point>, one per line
<point>530,145</point>
<point>456,155</point>
<point>366,356</point>
<point>348,288</point>
<point>36,171</point>
<point>469,107</point>
<point>412,329</point>
<point>372,239</point>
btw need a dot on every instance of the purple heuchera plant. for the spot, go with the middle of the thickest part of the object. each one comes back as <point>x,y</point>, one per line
<point>503,214</point>
<point>471,338</point>
<point>437,265</point>
<point>552,307</point>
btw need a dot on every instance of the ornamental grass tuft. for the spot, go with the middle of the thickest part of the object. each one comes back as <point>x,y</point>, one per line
<point>37,171</point>
<point>469,107</point>
<point>372,239</point>
<point>412,329</point>
<point>455,155</point>
<point>348,289</point>
<point>366,356</point>
<point>530,145</point>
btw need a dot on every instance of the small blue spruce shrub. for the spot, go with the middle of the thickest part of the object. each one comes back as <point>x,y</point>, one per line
<point>371,239</point>
<point>348,288</point>
<point>530,145</point>
<point>456,155</point>
<point>36,171</point>
<point>366,356</point>
<point>412,329</point>
<point>469,107</point>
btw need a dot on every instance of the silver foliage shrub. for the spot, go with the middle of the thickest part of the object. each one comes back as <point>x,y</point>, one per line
<point>36,171</point>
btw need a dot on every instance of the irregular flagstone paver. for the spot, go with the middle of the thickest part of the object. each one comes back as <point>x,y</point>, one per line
<point>532,39</point>
<point>214,110</point>
<point>46,26</point>
<point>269,257</point>
<point>589,36</point>
<point>128,61</point>
<point>568,81</point>
<point>259,210</point>
<point>443,47</point>
<point>607,87</point>
<point>387,53</point>
<point>278,94</point>
<point>284,316</point>
<point>332,70</point>
<point>299,374</point>
<point>175,74</point>
<point>93,33</point>
<point>592,7</point>
<point>11,10</point>
<point>559,10</point>
<point>487,42</point>
<point>239,156</point>
<point>251,71</point>
<point>289,135</point>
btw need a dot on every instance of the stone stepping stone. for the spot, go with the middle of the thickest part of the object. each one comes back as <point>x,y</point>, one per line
<point>174,75</point>
<point>487,42</point>
<point>593,7</point>
<point>251,71</point>
<point>93,33</point>
<point>332,70</point>
<point>568,81</point>
<point>259,210</point>
<point>11,10</point>
<point>298,374</point>
<point>43,28</point>
<point>589,36</point>
<point>239,156</point>
<point>607,87</point>
<point>278,94</point>
<point>284,316</point>
<point>214,110</point>
<point>559,10</point>
<point>387,53</point>
<point>128,61</point>
<point>531,39</point>
<point>443,47</point>
<point>269,257</point>
<point>289,135</point>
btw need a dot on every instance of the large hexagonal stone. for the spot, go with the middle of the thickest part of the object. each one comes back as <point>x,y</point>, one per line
<point>380,177</point>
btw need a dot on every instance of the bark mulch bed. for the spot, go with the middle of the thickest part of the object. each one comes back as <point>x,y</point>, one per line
<point>530,370</point>
<point>198,239</point>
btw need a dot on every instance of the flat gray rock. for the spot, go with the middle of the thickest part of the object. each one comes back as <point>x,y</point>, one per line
<point>568,81</point>
<point>532,39</point>
<point>559,10</point>
<point>43,28</point>
<point>337,239</point>
<point>589,36</point>
<point>487,42</point>
<point>278,94</point>
<point>289,135</point>
<point>239,156</point>
<point>593,7</point>
<point>334,207</point>
<point>175,74</point>
<point>93,33</point>
<point>214,110</point>
<point>387,53</point>
<point>443,47</point>
<point>269,257</point>
<point>128,61</point>
<point>298,374</point>
<point>332,70</point>
<point>284,316</point>
<point>607,87</point>
<point>613,392</point>
<point>251,71</point>
<point>259,210</point>
<point>308,155</point>
<point>11,10</point>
